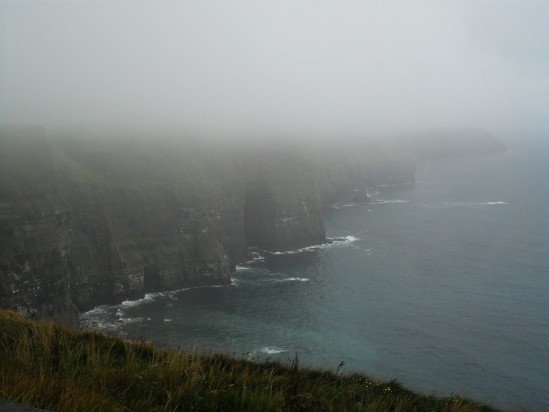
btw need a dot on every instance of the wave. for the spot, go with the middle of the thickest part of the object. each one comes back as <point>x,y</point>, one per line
<point>149,297</point>
<point>294,279</point>
<point>98,310</point>
<point>267,279</point>
<point>463,203</point>
<point>390,202</point>
<point>349,238</point>
<point>99,318</point>
<point>372,201</point>
<point>132,320</point>
<point>293,252</point>
<point>243,268</point>
<point>272,350</point>
<point>104,318</point>
<point>256,257</point>
<point>109,317</point>
<point>331,241</point>
<point>343,204</point>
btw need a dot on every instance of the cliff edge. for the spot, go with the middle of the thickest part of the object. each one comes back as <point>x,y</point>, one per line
<point>87,220</point>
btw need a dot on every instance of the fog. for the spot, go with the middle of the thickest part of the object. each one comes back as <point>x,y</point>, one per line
<point>268,67</point>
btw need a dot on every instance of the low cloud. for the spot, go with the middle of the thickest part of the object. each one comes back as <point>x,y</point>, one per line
<point>271,67</point>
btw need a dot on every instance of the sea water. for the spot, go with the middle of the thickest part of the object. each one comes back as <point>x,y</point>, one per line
<point>442,284</point>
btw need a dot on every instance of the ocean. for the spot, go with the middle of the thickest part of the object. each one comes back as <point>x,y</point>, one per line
<point>442,284</point>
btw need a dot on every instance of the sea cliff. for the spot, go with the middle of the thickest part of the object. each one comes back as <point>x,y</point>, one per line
<point>88,219</point>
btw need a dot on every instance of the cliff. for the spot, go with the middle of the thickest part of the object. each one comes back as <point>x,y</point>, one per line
<point>88,220</point>
<point>283,208</point>
<point>443,143</point>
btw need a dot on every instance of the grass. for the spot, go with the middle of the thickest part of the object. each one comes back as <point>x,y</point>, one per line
<point>61,370</point>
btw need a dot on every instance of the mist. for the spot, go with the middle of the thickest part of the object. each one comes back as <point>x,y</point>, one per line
<point>284,67</point>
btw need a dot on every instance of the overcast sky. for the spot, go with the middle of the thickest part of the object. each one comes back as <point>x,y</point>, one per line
<point>277,66</point>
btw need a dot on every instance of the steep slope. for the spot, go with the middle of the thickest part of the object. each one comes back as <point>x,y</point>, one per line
<point>97,219</point>
<point>86,223</point>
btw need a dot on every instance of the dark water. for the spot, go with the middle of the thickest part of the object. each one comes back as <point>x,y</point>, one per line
<point>442,284</point>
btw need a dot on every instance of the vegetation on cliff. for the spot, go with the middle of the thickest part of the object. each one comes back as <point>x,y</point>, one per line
<point>50,367</point>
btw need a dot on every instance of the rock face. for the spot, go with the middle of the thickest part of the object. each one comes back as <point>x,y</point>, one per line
<point>282,207</point>
<point>275,223</point>
<point>86,221</point>
<point>35,268</point>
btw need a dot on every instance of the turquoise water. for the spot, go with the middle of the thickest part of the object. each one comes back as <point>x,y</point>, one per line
<point>442,284</point>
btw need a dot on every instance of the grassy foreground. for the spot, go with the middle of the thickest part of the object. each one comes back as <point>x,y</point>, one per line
<point>53,368</point>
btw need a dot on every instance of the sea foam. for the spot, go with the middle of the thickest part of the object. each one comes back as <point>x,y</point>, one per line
<point>330,242</point>
<point>272,350</point>
<point>294,279</point>
<point>463,203</point>
<point>390,202</point>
